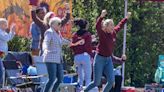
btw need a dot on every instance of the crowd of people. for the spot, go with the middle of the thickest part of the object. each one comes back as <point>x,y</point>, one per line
<point>47,41</point>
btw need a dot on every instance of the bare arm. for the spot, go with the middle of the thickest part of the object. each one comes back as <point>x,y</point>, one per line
<point>65,19</point>
<point>67,16</point>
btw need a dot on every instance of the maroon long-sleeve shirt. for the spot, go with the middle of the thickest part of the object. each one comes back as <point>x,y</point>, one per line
<point>107,40</point>
<point>86,47</point>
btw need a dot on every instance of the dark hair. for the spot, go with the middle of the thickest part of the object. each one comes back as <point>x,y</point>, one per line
<point>38,9</point>
<point>82,23</point>
<point>44,4</point>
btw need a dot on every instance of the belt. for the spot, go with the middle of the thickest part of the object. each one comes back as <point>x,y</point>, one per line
<point>102,55</point>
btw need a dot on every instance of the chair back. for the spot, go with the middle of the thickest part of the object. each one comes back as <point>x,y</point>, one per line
<point>12,72</point>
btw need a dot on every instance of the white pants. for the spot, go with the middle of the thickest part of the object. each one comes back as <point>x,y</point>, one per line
<point>84,69</point>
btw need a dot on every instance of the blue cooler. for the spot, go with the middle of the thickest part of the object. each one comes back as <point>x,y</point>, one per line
<point>69,78</point>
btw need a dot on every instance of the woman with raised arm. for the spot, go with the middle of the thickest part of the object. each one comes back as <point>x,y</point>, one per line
<point>103,62</point>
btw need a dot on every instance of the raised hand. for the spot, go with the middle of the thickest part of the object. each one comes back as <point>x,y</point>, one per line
<point>33,2</point>
<point>67,7</point>
<point>103,13</point>
<point>123,57</point>
<point>129,15</point>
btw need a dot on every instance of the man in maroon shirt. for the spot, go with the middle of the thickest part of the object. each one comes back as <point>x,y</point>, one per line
<point>103,62</point>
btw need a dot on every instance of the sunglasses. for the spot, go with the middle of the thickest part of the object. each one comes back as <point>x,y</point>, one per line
<point>59,23</point>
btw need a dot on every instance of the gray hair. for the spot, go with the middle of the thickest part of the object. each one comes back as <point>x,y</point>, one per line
<point>107,21</point>
<point>54,20</point>
<point>3,20</point>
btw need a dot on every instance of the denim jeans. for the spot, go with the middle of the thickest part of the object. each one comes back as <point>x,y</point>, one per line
<point>102,65</point>
<point>83,63</point>
<point>55,74</point>
<point>1,72</point>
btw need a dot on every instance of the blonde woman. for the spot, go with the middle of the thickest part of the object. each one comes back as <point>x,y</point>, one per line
<point>103,62</point>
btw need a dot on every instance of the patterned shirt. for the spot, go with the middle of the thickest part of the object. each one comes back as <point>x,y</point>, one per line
<point>52,46</point>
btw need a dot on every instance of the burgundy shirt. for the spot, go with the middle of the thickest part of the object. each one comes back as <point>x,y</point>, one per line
<point>86,47</point>
<point>107,40</point>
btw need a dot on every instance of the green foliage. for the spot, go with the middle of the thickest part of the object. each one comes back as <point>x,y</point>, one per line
<point>19,44</point>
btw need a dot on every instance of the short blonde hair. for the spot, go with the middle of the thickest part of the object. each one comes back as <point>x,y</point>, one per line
<point>47,17</point>
<point>107,21</point>
<point>3,20</point>
<point>54,20</point>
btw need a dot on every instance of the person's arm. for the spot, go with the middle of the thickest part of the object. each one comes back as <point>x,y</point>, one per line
<point>118,60</point>
<point>72,44</point>
<point>88,44</point>
<point>46,41</point>
<point>120,25</point>
<point>38,21</point>
<point>12,31</point>
<point>122,22</point>
<point>100,19</point>
<point>8,36</point>
<point>98,23</point>
<point>65,41</point>
<point>67,16</point>
<point>80,42</point>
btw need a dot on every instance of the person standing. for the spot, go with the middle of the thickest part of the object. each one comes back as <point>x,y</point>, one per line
<point>4,38</point>
<point>52,54</point>
<point>36,33</point>
<point>82,53</point>
<point>103,62</point>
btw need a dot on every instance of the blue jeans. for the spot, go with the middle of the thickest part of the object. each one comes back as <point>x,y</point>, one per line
<point>83,63</point>
<point>102,65</point>
<point>55,74</point>
<point>1,72</point>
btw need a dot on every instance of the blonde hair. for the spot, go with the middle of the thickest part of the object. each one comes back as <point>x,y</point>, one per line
<point>54,20</point>
<point>107,21</point>
<point>47,17</point>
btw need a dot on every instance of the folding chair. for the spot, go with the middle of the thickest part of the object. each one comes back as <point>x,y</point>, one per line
<point>12,72</point>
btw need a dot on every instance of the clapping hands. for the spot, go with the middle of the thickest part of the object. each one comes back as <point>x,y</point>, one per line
<point>13,27</point>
